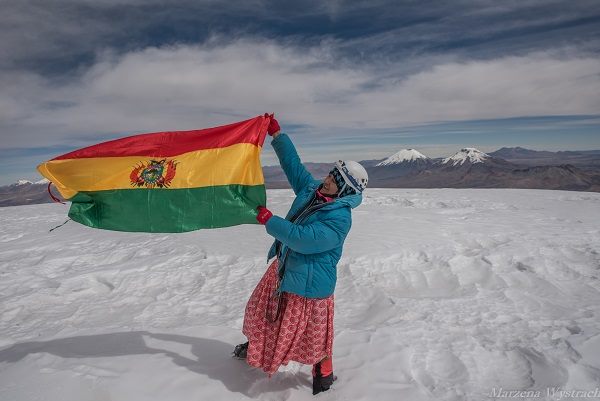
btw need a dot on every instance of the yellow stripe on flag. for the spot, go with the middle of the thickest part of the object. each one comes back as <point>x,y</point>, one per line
<point>235,164</point>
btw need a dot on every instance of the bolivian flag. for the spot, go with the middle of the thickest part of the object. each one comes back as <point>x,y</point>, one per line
<point>166,181</point>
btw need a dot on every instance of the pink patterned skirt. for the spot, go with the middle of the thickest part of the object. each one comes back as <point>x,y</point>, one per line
<point>302,332</point>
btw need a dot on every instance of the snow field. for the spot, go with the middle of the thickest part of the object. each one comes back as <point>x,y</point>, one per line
<point>442,295</point>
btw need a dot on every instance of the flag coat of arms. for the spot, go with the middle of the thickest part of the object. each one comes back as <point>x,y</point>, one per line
<point>166,181</point>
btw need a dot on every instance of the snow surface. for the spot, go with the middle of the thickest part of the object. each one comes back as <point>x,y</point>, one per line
<point>471,155</point>
<point>442,295</point>
<point>405,155</point>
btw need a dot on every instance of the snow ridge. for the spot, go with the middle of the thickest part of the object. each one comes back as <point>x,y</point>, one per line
<point>405,155</point>
<point>471,155</point>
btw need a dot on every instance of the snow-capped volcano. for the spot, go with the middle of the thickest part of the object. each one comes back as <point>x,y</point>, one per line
<point>405,155</point>
<point>22,182</point>
<point>470,155</point>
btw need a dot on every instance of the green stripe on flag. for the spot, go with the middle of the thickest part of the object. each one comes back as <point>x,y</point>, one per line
<point>168,210</point>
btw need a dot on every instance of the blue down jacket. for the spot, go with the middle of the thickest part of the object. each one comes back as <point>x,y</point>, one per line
<point>311,246</point>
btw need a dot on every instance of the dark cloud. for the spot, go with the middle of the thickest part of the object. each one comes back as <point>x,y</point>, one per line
<point>62,36</point>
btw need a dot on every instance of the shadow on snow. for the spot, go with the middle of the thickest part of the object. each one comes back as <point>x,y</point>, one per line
<point>212,358</point>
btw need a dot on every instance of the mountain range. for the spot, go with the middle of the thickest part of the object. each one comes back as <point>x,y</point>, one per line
<point>589,159</point>
<point>468,168</point>
<point>471,168</point>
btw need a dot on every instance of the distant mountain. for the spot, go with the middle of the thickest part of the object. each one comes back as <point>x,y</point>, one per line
<point>404,156</point>
<point>27,182</point>
<point>25,192</point>
<point>586,160</point>
<point>466,155</point>
<point>566,176</point>
<point>22,182</point>
<point>471,159</point>
<point>520,153</point>
<point>405,162</point>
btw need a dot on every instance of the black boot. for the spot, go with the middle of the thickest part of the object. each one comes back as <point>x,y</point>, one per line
<point>240,351</point>
<point>321,383</point>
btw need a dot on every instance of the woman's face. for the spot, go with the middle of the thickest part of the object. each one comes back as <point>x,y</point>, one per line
<point>329,187</point>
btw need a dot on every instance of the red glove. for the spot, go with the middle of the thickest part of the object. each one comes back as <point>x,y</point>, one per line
<point>264,215</point>
<point>273,124</point>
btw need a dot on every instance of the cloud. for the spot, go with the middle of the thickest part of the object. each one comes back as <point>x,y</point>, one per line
<point>185,87</point>
<point>532,85</point>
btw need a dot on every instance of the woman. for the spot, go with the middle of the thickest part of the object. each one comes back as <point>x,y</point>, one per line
<point>289,316</point>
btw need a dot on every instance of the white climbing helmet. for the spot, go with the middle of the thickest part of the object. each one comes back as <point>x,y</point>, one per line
<point>354,174</point>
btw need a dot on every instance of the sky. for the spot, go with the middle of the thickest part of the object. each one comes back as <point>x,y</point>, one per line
<point>353,80</point>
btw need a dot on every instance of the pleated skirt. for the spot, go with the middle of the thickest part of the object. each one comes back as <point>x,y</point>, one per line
<point>302,330</point>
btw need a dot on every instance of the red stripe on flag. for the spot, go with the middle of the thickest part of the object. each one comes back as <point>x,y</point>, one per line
<point>169,144</point>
